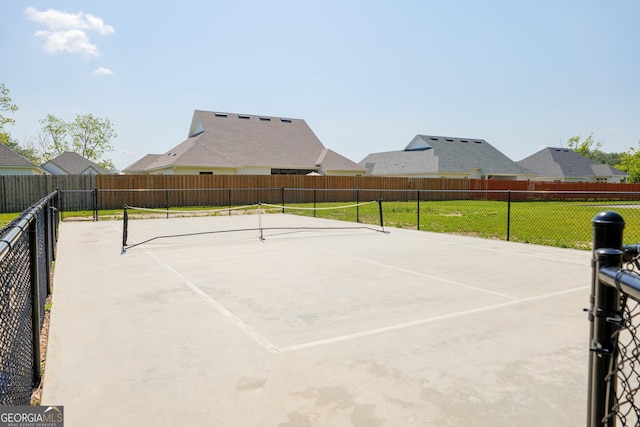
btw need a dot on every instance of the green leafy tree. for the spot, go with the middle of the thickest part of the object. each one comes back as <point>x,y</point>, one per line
<point>91,138</point>
<point>6,104</point>
<point>587,148</point>
<point>86,135</point>
<point>612,159</point>
<point>591,149</point>
<point>53,140</point>
<point>630,163</point>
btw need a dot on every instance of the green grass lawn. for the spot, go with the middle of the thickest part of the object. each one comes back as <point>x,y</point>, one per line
<point>6,218</point>
<point>561,224</point>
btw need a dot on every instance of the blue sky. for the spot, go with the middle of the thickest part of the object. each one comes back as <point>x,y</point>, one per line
<point>367,76</point>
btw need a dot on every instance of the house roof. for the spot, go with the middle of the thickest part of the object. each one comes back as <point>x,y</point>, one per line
<point>562,162</point>
<point>74,164</point>
<point>242,140</point>
<point>8,157</point>
<point>442,154</point>
<point>143,163</point>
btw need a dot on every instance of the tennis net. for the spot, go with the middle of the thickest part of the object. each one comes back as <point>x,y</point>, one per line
<point>165,226</point>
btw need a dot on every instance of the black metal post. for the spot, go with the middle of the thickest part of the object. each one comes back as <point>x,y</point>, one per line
<point>35,299</point>
<point>608,230</point>
<point>381,219</point>
<point>357,205</point>
<point>229,200</point>
<point>282,199</point>
<point>125,225</point>
<point>48,242</point>
<point>95,204</point>
<point>166,201</point>
<point>508,215</point>
<point>418,215</point>
<point>61,205</point>
<point>315,200</point>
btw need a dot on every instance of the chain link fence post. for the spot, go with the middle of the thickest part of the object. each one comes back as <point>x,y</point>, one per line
<point>608,230</point>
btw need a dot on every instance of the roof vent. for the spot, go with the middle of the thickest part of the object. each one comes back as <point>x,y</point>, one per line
<point>220,115</point>
<point>464,140</point>
<point>244,117</point>
<point>449,139</point>
<point>478,142</point>
<point>265,119</point>
<point>433,138</point>
<point>285,120</point>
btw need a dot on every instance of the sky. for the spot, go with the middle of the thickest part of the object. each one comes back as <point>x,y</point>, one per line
<point>366,76</point>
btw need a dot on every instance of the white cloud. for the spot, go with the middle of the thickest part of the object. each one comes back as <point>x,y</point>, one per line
<point>102,71</point>
<point>67,32</point>
<point>73,41</point>
<point>58,20</point>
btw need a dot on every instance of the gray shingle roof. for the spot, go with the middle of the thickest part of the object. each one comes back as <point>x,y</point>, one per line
<point>429,154</point>
<point>8,157</point>
<point>564,163</point>
<point>74,164</point>
<point>242,140</point>
<point>140,164</point>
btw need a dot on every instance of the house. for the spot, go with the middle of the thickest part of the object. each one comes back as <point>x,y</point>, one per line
<point>70,163</point>
<point>12,163</point>
<point>564,165</point>
<point>443,156</point>
<point>229,144</point>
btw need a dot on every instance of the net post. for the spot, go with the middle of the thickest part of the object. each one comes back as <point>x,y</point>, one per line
<point>380,209</point>
<point>282,191</point>
<point>229,200</point>
<point>125,225</point>
<point>260,220</point>
<point>314,202</point>
<point>357,205</point>
<point>95,204</point>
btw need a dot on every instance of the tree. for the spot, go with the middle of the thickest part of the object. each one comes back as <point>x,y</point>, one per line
<point>86,135</point>
<point>612,159</point>
<point>590,149</point>
<point>53,141</point>
<point>6,105</point>
<point>91,138</point>
<point>630,163</point>
<point>587,148</point>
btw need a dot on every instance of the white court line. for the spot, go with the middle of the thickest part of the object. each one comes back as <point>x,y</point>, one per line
<point>266,344</point>
<point>250,332</point>
<point>404,270</point>
<point>422,321</point>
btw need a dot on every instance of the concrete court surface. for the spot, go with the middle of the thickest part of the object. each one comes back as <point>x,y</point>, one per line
<point>331,328</point>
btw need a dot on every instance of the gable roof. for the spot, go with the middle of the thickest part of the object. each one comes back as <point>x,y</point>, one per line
<point>143,163</point>
<point>73,164</point>
<point>8,157</point>
<point>229,140</point>
<point>562,162</point>
<point>429,154</point>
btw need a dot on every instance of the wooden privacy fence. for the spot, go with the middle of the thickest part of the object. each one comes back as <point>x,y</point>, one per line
<point>226,190</point>
<point>80,192</point>
<point>18,192</point>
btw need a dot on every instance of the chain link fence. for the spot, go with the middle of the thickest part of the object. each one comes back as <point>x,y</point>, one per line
<point>27,246</point>
<point>614,315</point>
